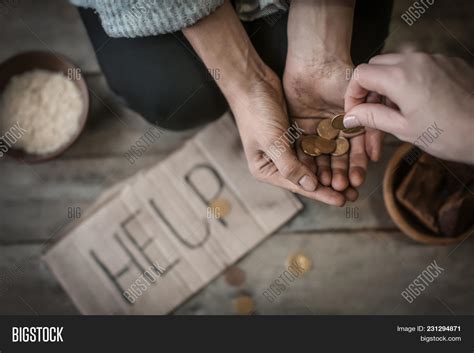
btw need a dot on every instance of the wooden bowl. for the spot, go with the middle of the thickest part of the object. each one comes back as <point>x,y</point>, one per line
<point>28,61</point>
<point>397,168</point>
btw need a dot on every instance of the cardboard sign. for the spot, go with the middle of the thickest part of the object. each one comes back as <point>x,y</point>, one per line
<point>152,241</point>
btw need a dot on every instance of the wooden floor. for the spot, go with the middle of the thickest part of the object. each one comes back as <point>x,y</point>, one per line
<point>360,264</point>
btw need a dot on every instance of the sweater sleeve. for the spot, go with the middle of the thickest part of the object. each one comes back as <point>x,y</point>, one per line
<point>141,18</point>
<point>250,10</point>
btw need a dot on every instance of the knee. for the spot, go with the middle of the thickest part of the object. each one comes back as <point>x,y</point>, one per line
<point>175,110</point>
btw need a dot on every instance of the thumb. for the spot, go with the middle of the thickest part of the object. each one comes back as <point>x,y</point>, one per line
<point>377,116</point>
<point>291,168</point>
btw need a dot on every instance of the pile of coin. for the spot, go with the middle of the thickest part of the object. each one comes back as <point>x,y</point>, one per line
<point>328,139</point>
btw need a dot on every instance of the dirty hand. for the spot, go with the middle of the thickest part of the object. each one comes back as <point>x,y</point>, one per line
<point>317,68</point>
<point>256,98</point>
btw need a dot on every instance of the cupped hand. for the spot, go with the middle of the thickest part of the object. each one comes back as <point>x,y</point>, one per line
<point>317,91</point>
<point>268,140</point>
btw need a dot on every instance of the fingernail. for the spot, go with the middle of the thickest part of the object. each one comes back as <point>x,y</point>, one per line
<point>356,176</point>
<point>307,183</point>
<point>350,121</point>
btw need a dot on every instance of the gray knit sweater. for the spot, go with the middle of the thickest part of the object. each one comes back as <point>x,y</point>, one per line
<point>141,18</point>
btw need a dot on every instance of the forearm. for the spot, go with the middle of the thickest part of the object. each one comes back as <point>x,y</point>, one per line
<point>222,43</point>
<point>320,30</point>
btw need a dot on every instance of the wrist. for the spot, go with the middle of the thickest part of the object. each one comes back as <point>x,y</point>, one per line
<point>322,64</point>
<point>316,74</point>
<point>240,85</point>
<point>319,54</point>
<point>320,29</point>
<point>222,43</point>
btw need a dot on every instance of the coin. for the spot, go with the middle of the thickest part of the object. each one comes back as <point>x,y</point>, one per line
<point>309,147</point>
<point>325,130</point>
<point>324,145</point>
<point>337,122</point>
<point>315,145</point>
<point>353,130</point>
<point>234,276</point>
<point>220,207</point>
<point>300,261</point>
<point>244,305</point>
<point>342,146</point>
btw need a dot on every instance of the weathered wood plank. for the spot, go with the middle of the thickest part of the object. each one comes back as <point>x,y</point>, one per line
<point>68,178</point>
<point>34,199</point>
<point>27,287</point>
<point>353,273</point>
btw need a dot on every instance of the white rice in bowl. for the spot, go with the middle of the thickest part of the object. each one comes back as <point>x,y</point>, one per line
<point>44,103</point>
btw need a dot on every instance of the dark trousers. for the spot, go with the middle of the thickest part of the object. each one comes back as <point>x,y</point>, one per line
<point>164,80</point>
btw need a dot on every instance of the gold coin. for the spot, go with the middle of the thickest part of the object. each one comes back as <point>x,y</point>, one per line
<point>244,305</point>
<point>353,130</point>
<point>325,130</point>
<point>234,276</point>
<point>308,146</point>
<point>220,207</point>
<point>324,145</point>
<point>342,146</point>
<point>337,122</point>
<point>315,145</point>
<point>299,262</point>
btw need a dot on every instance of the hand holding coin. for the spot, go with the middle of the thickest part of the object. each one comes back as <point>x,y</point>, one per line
<point>415,109</point>
<point>312,101</point>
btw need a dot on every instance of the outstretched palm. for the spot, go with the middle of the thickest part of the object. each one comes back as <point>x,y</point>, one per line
<point>317,94</point>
